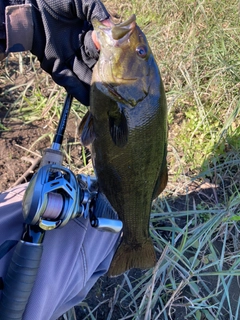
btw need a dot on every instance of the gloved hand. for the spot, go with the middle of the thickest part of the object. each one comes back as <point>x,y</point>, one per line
<point>59,33</point>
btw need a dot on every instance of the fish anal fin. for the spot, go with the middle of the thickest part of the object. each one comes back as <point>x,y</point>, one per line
<point>86,130</point>
<point>161,182</point>
<point>163,176</point>
<point>118,128</point>
<point>129,256</point>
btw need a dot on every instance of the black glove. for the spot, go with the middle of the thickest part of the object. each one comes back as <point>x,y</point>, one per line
<point>61,38</point>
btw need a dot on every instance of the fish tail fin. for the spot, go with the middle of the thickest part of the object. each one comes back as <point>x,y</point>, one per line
<point>129,256</point>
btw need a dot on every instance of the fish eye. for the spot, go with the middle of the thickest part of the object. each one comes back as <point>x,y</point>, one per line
<point>142,51</point>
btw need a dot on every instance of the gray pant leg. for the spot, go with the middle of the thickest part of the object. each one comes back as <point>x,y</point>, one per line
<point>74,257</point>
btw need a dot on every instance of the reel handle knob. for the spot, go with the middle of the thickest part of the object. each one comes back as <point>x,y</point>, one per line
<point>104,224</point>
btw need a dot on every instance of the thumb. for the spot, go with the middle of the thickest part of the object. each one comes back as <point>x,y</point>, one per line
<point>95,40</point>
<point>107,23</point>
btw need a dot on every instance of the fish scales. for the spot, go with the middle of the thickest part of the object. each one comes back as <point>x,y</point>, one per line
<point>126,128</point>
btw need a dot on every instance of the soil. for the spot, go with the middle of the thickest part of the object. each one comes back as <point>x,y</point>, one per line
<point>16,153</point>
<point>19,150</point>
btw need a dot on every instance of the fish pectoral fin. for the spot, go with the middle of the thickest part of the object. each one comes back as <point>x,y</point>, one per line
<point>86,130</point>
<point>118,128</point>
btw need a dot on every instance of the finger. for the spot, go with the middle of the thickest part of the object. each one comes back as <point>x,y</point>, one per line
<point>77,88</point>
<point>107,23</point>
<point>95,40</point>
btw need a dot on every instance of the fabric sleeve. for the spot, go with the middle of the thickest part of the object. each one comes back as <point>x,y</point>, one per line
<point>60,33</point>
<point>62,42</point>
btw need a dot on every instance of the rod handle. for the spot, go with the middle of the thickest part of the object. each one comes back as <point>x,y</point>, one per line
<point>19,280</point>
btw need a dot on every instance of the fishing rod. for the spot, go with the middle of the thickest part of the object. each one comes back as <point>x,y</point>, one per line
<point>53,197</point>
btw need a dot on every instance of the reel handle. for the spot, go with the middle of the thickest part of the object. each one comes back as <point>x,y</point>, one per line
<point>105,224</point>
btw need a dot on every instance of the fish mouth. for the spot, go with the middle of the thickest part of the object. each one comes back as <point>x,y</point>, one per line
<point>117,32</point>
<point>115,35</point>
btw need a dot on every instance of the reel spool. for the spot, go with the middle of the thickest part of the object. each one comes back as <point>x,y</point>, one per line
<point>52,198</point>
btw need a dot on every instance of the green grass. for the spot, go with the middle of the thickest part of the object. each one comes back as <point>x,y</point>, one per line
<point>196,45</point>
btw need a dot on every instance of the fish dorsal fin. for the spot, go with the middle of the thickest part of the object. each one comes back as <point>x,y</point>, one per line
<point>118,127</point>
<point>85,129</point>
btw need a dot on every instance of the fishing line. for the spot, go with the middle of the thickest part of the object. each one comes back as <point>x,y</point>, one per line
<point>54,205</point>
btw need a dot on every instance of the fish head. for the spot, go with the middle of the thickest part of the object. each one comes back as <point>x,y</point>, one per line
<point>125,61</point>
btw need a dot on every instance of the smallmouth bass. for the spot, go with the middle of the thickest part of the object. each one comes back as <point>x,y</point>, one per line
<point>126,128</point>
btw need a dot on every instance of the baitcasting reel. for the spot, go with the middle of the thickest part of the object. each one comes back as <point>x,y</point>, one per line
<point>55,195</point>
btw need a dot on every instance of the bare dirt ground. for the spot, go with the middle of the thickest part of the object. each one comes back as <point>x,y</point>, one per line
<point>16,154</point>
